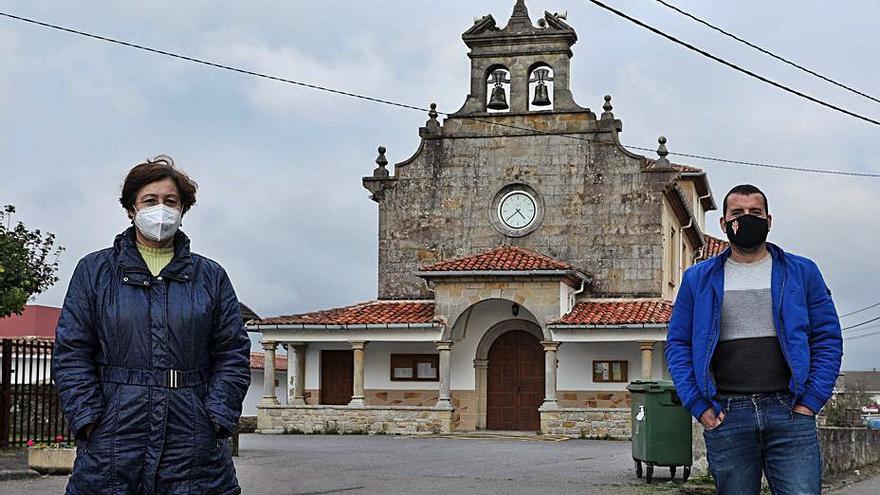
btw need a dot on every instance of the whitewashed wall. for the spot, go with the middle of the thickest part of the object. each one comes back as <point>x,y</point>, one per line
<point>576,363</point>
<point>255,392</point>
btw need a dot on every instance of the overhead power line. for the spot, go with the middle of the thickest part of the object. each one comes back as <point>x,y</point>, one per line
<point>734,66</point>
<point>860,310</point>
<point>766,51</point>
<point>421,109</point>
<point>855,337</point>
<point>862,323</point>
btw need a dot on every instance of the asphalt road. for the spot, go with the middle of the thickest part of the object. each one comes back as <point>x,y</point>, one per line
<point>389,465</point>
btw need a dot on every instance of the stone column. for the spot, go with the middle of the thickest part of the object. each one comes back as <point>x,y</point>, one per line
<point>550,364</point>
<point>481,375</point>
<point>444,398</point>
<point>296,374</point>
<point>647,359</point>
<point>357,397</point>
<point>269,397</point>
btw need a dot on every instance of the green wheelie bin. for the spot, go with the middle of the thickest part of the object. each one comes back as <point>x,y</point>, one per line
<point>661,429</point>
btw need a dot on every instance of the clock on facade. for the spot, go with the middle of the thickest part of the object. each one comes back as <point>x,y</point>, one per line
<point>517,210</point>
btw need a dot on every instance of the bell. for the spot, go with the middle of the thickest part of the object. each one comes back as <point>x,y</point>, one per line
<point>498,100</point>
<point>542,98</point>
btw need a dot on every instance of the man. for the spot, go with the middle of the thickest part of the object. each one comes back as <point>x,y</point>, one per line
<point>754,348</point>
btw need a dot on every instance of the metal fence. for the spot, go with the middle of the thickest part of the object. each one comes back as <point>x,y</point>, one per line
<point>29,407</point>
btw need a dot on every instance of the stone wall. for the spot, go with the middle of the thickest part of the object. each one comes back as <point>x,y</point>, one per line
<point>602,206</point>
<point>421,398</point>
<point>381,397</point>
<point>372,420</point>
<point>611,423</point>
<point>591,399</point>
<point>843,449</point>
<point>464,418</point>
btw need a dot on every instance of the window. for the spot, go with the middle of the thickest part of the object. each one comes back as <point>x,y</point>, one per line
<point>610,371</point>
<point>415,367</point>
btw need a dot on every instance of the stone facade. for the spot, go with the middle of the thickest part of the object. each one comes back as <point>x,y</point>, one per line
<point>588,423</point>
<point>615,220</point>
<point>421,398</point>
<point>464,417</point>
<point>593,399</point>
<point>372,420</point>
<point>600,206</point>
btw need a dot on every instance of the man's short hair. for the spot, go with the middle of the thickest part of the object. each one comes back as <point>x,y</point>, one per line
<point>746,189</point>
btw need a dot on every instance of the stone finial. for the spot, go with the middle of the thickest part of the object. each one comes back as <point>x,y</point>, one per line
<point>607,107</point>
<point>380,171</point>
<point>432,126</point>
<point>662,152</point>
<point>519,19</point>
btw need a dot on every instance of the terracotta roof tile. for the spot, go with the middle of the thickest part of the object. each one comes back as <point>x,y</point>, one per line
<point>713,247</point>
<point>502,258</point>
<point>618,312</point>
<point>258,361</point>
<point>368,313</point>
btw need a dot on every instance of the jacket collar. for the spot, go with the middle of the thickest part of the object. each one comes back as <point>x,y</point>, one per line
<point>776,253</point>
<point>130,259</point>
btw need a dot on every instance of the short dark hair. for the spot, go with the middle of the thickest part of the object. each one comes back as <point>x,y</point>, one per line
<point>746,189</point>
<point>156,169</point>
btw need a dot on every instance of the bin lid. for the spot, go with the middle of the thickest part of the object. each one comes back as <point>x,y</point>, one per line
<point>651,386</point>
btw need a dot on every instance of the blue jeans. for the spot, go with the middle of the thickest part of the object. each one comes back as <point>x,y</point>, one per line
<point>761,433</point>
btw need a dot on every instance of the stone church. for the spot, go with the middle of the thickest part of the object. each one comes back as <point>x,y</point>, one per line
<point>527,264</point>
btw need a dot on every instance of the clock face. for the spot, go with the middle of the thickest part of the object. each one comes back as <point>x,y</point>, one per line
<point>517,209</point>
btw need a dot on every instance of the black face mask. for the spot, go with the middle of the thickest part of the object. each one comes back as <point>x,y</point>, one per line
<point>747,231</point>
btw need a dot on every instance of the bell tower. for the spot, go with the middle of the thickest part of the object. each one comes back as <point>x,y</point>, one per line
<point>521,164</point>
<point>521,68</point>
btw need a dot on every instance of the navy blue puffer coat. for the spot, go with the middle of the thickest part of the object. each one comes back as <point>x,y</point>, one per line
<point>160,367</point>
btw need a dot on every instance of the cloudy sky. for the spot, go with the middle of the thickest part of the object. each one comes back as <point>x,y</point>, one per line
<point>280,202</point>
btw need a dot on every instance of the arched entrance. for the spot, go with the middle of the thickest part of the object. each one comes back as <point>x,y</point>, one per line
<point>515,382</point>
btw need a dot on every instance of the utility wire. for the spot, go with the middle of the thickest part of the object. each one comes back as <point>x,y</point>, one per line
<point>854,337</point>
<point>862,323</point>
<point>862,329</point>
<point>860,310</point>
<point>734,66</point>
<point>413,107</point>
<point>766,51</point>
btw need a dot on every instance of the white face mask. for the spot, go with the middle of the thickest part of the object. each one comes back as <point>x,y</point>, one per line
<point>158,223</point>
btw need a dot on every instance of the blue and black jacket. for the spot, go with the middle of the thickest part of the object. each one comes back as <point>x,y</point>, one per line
<point>806,324</point>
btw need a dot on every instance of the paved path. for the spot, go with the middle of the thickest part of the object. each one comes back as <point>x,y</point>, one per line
<point>870,486</point>
<point>389,465</point>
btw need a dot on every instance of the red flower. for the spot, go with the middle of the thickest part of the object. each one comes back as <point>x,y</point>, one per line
<point>59,439</point>
<point>30,443</point>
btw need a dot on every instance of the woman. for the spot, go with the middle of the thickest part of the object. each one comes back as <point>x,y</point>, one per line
<point>151,355</point>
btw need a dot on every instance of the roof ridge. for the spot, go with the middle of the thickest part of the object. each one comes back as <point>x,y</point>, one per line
<point>625,300</point>
<point>517,250</point>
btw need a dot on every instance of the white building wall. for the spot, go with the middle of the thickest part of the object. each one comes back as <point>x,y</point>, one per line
<point>575,370</point>
<point>255,391</point>
<point>576,363</point>
<point>575,358</point>
<point>377,365</point>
